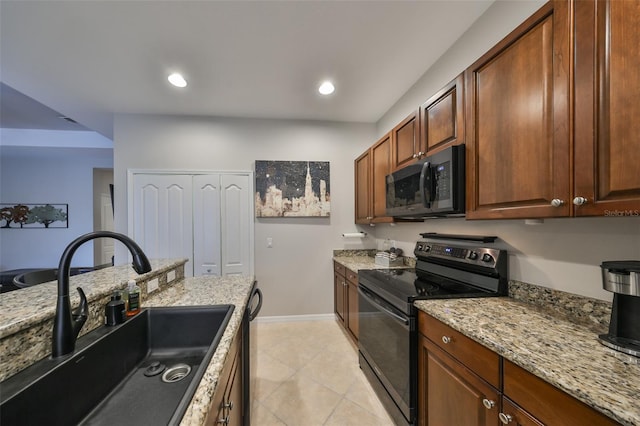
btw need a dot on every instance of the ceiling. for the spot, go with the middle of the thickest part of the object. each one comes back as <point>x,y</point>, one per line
<point>92,59</point>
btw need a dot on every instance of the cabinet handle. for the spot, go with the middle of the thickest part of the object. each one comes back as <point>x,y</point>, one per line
<point>446,339</point>
<point>224,421</point>
<point>228,405</point>
<point>578,201</point>
<point>488,404</point>
<point>556,202</point>
<point>505,418</point>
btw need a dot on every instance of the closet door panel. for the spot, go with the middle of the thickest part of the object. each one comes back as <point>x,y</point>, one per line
<point>236,216</point>
<point>206,225</point>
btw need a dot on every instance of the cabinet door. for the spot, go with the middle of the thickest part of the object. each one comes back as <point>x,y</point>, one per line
<point>236,214</point>
<point>352,299</point>
<point>442,118</point>
<point>449,393</point>
<point>363,188</point>
<point>607,111</point>
<point>381,167</point>
<point>518,125</point>
<point>206,225</point>
<point>339,283</point>
<point>406,143</point>
<point>162,216</point>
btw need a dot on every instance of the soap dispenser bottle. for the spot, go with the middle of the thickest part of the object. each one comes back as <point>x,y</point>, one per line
<point>133,298</point>
<point>114,311</point>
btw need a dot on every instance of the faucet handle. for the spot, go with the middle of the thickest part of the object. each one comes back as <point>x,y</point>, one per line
<point>81,314</point>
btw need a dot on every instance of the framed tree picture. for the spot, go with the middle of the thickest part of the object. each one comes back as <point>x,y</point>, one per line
<point>292,189</point>
<point>24,216</point>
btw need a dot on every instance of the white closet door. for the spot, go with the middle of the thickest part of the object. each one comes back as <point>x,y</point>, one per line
<point>206,225</point>
<point>163,216</point>
<point>237,216</point>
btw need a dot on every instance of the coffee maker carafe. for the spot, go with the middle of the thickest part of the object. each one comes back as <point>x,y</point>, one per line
<point>623,279</point>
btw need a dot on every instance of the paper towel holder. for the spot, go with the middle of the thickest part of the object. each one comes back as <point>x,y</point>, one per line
<point>354,234</point>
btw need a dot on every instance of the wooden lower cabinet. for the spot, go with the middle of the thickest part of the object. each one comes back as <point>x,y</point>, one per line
<point>345,298</point>
<point>456,386</point>
<point>451,394</point>
<point>227,405</point>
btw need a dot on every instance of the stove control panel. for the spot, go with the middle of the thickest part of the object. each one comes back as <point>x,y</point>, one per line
<point>487,257</point>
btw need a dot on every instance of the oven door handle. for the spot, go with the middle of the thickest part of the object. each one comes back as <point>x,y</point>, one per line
<point>372,299</point>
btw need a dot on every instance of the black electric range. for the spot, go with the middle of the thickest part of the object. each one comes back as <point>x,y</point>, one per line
<point>388,334</point>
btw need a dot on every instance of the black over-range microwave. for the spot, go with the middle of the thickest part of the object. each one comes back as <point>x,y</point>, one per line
<point>434,186</point>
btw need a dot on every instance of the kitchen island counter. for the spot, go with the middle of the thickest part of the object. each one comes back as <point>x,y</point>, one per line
<point>560,351</point>
<point>208,290</point>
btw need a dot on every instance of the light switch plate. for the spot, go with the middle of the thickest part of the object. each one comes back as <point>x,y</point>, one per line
<point>171,275</point>
<point>152,285</point>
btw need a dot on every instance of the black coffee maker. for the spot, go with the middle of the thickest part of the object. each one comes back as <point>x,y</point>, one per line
<point>623,279</point>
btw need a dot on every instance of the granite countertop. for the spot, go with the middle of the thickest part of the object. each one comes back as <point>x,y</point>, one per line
<point>23,308</point>
<point>355,263</point>
<point>208,290</point>
<point>563,353</point>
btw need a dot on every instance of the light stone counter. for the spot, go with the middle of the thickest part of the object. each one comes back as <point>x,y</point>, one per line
<point>552,347</point>
<point>26,315</point>
<point>234,290</point>
<point>355,263</point>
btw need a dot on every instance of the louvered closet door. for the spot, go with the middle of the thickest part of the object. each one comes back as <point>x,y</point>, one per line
<point>163,216</point>
<point>206,225</point>
<point>236,215</point>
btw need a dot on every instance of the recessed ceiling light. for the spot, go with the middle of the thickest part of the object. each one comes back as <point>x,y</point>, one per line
<point>326,88</point>
<point>177,80</point>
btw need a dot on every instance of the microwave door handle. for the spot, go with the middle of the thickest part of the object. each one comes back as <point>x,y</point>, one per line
<point>426,186</point>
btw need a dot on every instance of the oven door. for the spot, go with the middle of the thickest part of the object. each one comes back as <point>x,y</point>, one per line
<point>384,342</point>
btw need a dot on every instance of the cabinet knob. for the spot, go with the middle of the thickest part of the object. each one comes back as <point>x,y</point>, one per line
<point>344,284</point>
<point>420,154</point>
<point>224,421</point>
<point>556,202</point>
<point>414,156</point>
<point>446,339</point>
<point>488,404</point>
<point>369,217</point>
<point>578,201</point>
<point>228,405</point>
<point>505,418</point>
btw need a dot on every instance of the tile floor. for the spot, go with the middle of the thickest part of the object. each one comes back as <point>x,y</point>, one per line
<point>307,374</point>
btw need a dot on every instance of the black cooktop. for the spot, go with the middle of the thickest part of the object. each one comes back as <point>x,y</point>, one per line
<point>401,287</point>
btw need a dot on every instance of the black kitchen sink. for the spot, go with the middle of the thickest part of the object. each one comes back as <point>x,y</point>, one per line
<point>142,372</point>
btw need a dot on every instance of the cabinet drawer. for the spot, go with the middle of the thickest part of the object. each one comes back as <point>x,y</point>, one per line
<point>482,361</point>
<point>338,268</point>
<point>352,276</point>
<point>543,400</point>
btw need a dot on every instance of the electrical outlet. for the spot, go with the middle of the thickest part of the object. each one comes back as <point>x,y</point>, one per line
<point>152,285</point>
<point>171,275</point>
<point>269,242</point>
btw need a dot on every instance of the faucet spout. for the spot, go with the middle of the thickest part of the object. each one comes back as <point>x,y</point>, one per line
<point>67,325</point>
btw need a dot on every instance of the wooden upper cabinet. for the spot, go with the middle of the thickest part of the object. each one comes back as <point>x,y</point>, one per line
<point>363,187</point>
<point>371,169</point>
<point>518,121</point>
<point>607,111</point>
<point>406,142</point>
<point>442,117</point>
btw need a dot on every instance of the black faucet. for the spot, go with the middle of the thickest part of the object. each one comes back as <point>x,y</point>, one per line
<point>67,325</point>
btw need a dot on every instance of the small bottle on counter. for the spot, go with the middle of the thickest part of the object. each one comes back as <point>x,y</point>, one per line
<point>133,298</point>
<point>114,311</point>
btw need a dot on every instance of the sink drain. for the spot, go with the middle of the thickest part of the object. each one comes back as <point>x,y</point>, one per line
<point>176,373</point>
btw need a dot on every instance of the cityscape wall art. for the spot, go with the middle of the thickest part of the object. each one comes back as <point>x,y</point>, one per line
<point>292,189</point>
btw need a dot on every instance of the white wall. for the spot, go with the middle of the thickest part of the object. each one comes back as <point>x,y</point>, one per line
<point>48,175</point>
<point>563,254</point>
<point>296,274</point>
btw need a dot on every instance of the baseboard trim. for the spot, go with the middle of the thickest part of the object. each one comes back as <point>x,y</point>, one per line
<point>296,318</point>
